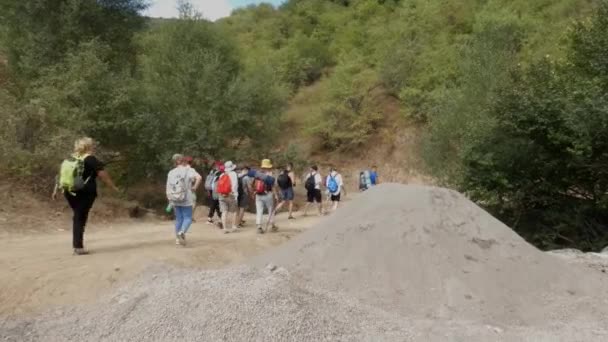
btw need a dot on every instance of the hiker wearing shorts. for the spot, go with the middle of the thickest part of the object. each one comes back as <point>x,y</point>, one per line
<point>245,194</point>
<point>227,189</point>
<point>265,194</point>
<point>286,182</point>
<point>182,182</point>
<point>334,185</point>
<point>312,183</point>
<point>81,200</point>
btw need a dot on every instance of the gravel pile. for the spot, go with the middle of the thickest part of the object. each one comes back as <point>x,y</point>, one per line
<point>428,252</point>
<point>399,263</point>
<point>242,304</point>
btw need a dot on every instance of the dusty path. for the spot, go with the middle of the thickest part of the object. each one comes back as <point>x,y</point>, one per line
<point>37,270</point>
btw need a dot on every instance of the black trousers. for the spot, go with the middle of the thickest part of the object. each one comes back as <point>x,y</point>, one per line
<point>81,204</point>
<point>214,206</point>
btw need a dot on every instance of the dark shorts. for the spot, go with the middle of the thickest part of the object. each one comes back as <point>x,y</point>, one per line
<point>335,198</point>
<point>287,194</point>
<point>314,196</point>
<point>243,201</point>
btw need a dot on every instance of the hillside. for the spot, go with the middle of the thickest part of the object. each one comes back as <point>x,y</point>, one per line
<point>360,72</point>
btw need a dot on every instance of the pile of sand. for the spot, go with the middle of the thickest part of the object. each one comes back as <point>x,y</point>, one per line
<point>399,263</point>
<point>432,253</point>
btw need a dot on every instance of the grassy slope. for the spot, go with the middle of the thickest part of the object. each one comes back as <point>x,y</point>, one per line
<point>394,147</point>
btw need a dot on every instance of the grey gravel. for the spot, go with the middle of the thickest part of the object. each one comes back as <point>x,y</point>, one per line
<point>240,304</point>
<point>426,252</point>
<point>399,263</point>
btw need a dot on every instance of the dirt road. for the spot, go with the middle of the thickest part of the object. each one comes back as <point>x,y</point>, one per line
<point>38,270</point>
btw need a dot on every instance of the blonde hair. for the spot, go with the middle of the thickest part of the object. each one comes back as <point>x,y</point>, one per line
<point>83,146</point>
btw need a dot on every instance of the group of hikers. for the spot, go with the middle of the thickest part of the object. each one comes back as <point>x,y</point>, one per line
<point>230,190</point>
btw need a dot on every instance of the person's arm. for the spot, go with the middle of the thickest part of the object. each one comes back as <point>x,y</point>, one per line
<point>234,182</point>
<point>248,183</point>
<point>275,192</point>
<point>198,179</point>
<point>105,177</point>
<point>55,188</point>
<point>292,175</point>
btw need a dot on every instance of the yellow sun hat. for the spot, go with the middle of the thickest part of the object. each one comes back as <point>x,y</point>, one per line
<point>266,164</point>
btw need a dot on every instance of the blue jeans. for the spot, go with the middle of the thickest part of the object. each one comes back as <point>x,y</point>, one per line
<point>183,219</point>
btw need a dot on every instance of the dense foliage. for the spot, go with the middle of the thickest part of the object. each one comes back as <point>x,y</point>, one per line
<point>512,93</point>
<point>144,90</point>
<point>528,140</point>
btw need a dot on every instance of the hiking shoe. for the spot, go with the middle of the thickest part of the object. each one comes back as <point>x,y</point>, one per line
<point>260,230</point>
<point>80,251</point>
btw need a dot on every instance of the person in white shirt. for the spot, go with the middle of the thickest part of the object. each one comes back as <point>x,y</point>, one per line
<point>312,183</point>
<point>334,185</point>
<point>183,174</point>
<point>229,200</point>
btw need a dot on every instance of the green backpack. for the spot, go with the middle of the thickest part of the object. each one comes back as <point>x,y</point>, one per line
<point>70,174</point>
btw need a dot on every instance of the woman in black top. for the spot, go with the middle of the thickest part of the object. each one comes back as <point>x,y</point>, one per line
<point>81,201</point>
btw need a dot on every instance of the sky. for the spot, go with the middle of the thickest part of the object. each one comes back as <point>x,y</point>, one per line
<point>211,9</point>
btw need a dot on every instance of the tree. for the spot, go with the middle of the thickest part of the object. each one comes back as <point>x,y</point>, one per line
<point>542,167</point>
<point>196,98</point>
<point>40,33</point>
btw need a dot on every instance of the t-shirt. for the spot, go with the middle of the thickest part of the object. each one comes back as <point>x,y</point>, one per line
<point>318,180</point>
<point>373,176</point>
<point>191,176</point>
<point>92,166</point>
<point>269,181</point>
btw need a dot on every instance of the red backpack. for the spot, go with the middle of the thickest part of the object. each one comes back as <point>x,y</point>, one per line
<point>260,187</point>
<point>224,185</point>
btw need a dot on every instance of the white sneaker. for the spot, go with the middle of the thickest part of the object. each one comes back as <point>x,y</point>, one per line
<point>178,242</point>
